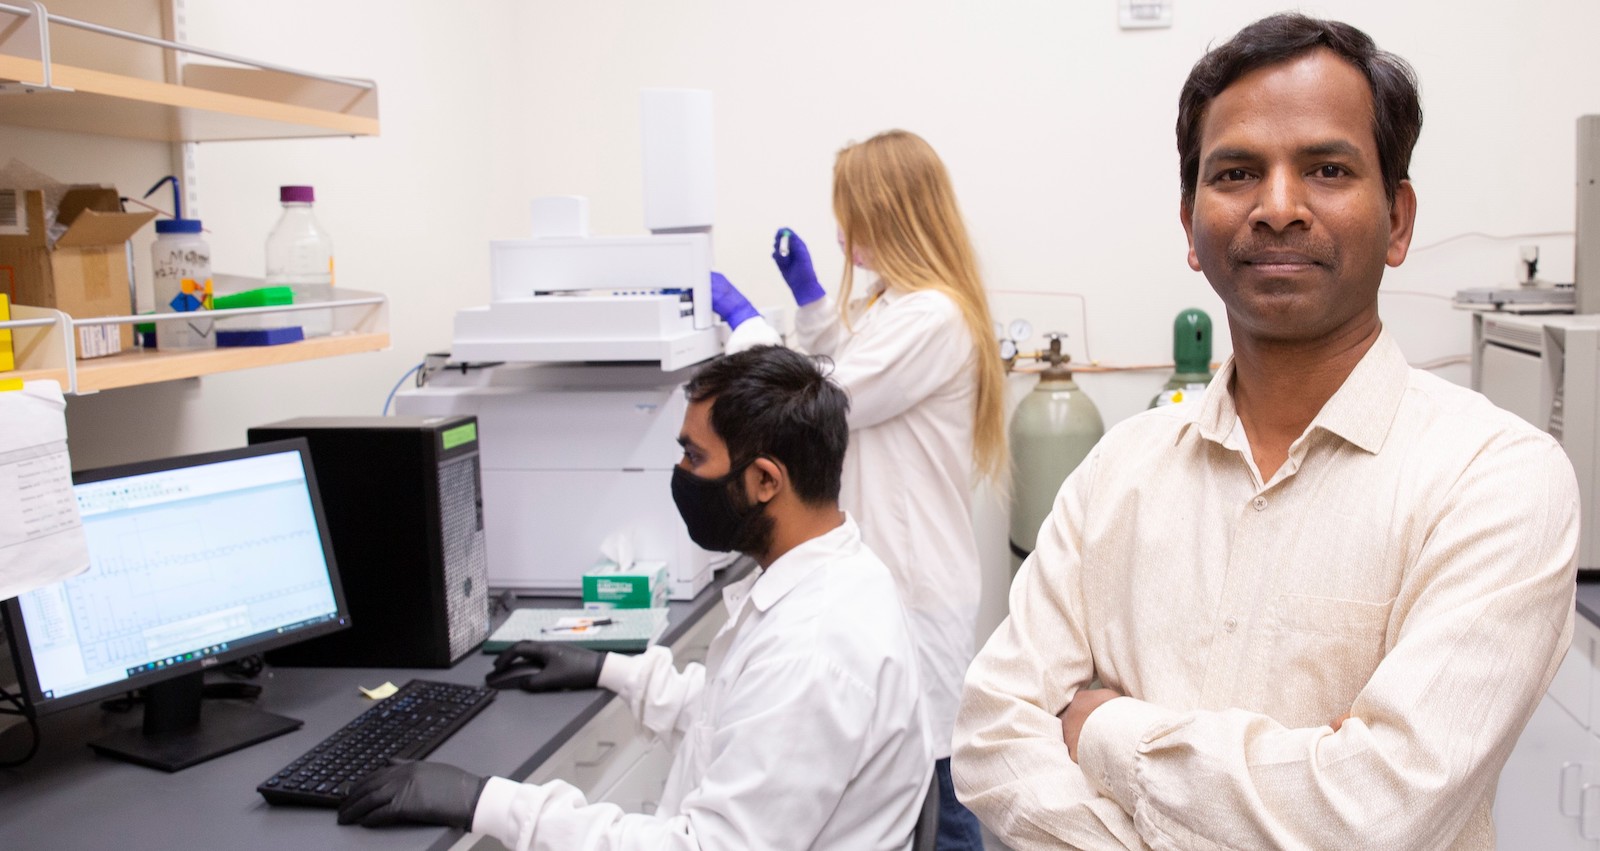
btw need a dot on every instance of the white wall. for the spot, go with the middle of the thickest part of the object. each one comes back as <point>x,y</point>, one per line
<point>1056,126</point>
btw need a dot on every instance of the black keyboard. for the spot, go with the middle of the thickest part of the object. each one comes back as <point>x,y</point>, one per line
<point>408,724</point>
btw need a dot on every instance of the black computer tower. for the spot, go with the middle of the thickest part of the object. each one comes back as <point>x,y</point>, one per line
<point>404,503</point>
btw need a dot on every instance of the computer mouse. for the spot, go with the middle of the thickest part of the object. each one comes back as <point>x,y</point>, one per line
<point>512,676</point>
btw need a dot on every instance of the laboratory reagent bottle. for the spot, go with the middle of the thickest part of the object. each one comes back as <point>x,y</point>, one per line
<point>300,256</point>
<point>182,283</point>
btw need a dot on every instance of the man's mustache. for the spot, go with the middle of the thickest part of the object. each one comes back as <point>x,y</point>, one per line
<point>1253,251</point>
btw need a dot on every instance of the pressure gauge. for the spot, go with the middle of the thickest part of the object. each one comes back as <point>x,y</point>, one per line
<point>1008,350</point>
<point>1021,330</point>
<point>999,331</point>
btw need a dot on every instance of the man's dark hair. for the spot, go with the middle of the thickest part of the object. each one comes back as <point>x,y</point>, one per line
<point>1397,109</point>
<point>776,402</point>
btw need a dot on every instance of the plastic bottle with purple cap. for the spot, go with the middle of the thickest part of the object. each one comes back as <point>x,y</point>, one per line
<point>181,277</point>
<point>300,256</point>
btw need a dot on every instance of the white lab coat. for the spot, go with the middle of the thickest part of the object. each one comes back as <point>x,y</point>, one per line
<point>804,729</point>
<point>908,364</point>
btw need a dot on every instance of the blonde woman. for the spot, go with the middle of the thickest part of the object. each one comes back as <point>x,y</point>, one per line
<point>914,348</point>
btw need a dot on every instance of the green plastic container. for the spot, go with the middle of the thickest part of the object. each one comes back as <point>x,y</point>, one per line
<point>259,297</point>
<point>263,297</point>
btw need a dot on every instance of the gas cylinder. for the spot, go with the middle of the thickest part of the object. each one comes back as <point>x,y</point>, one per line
<point>1052,430</point>
<point>1191,356</point>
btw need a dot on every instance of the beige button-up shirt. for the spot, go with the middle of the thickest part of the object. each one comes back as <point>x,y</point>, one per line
<point>1410,564</point>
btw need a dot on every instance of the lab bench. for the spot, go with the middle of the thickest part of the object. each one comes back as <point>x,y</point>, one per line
<point>68,797</point>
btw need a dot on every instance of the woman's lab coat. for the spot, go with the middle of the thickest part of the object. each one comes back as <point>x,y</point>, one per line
<point>907,362</point>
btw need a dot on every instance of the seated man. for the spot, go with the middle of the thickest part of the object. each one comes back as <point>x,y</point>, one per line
<point>805,727</point>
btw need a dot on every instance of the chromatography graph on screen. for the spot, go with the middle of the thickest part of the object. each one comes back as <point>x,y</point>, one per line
<point>171,577</point>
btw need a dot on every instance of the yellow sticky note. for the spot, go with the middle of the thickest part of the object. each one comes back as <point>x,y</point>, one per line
<point>10,384</point>
<point>380,692</point>
<point>7,359</point>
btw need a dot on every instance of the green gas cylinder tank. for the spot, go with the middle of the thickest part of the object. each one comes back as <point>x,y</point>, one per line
<point>1052,429</point>
<point>1191,356</point>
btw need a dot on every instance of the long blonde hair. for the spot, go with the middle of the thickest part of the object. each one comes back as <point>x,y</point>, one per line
<point>893,200</point>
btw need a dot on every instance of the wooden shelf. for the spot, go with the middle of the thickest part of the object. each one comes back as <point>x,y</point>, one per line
<point>215,103</point>
<point>247,99</point>
<point>137,367</point>
<point>59,376</point>
<point>131,369</point>
<point>361,319</point>
<point>42,352</point>
<point>62,73</point>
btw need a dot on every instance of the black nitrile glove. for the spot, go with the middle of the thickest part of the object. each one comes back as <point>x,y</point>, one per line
<point>546,666</point>
<point>423,792</point>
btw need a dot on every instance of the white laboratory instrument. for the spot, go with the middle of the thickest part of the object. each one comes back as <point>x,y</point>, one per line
<point>1546,369</point>
<point>593,337</point>
<point>1583,295</point>
<point>1586,224</point>
<point>598,299</point>
<point>572,454</point>
<point>562,295</point>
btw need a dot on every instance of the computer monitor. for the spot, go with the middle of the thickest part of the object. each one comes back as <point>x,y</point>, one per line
<point>193,562</point>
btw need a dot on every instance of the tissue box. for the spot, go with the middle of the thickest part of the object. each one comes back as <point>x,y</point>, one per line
<point>642,586</point>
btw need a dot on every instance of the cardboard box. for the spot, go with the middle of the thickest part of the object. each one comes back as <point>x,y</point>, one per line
<point>642,586</point>
<point>85,274</point>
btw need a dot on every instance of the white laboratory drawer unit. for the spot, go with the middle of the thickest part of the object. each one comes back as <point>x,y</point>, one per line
<point>1549,793</point>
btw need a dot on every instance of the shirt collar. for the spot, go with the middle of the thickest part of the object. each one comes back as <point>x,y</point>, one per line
<point>792,568</point>
<point>881,293</point>
<point>1214,417</point>
<point>1360,411</point>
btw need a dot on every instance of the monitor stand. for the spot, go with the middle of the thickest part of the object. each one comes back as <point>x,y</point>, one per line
<point>176,736</point>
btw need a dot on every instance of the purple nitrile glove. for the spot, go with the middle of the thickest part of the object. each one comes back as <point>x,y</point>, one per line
<point>728,303</point>
<point>795,264</point>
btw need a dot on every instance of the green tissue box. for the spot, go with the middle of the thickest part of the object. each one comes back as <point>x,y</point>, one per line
<point>642,586</point>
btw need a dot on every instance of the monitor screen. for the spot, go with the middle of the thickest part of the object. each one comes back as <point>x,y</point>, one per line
<point>192,561</point>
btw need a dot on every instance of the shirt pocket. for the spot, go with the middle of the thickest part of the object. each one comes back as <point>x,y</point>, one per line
<point>696,752</point>
<point>1324,650</point>
<point>687,773</point>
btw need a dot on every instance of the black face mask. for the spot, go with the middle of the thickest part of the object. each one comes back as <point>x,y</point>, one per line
<point>714,520</point>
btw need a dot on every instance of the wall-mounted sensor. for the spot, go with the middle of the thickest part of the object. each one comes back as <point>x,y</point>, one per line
<point>1144,14</point>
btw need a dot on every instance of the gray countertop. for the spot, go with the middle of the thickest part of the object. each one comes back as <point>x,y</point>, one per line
<point>69,797</point>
